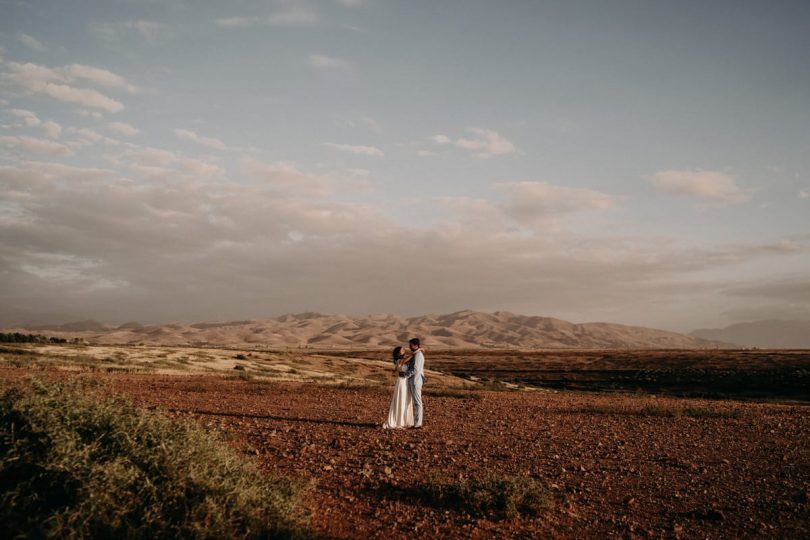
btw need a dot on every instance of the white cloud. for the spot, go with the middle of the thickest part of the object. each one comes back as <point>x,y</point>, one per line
<point>198,167</point>
<point>37,146</point>
<point>153,162</point>
<point>486,144</point>
<point>90,114</point>
<point>122,128</point>
<point>328,62</point>
<point>294,16</point>
<point>56,83</point>
<point>52,129</point>
<point>82,96</point>
<point>711,185</point>
<point>29,118</point>
<point>31,42</point>
<point>152,172</point>
<point>535,206</point>
<point>99,76</point>
<point>285,178</point>
<point>357,149</point>
<point>152,155</point>
<point>441,139</point>
<point>208,142</point>
<point>238,22</point>
<point>532,201</point>
<point>149,31</point>
<point>361,122</point>
<point>88,137</point>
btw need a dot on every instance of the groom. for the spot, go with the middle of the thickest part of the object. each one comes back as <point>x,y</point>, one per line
<point>416,377</point>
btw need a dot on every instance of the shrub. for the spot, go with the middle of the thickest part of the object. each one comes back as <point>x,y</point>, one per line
<point>489,493</point>
<point>73,465</point>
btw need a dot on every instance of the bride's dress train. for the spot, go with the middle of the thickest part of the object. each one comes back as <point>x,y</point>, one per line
<point>400,414</point>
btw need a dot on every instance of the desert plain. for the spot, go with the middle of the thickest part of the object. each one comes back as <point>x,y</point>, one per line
<point>622,444</point>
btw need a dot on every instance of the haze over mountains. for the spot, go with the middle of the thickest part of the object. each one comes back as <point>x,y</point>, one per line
<point>463,329</point>
<point>772,334</point>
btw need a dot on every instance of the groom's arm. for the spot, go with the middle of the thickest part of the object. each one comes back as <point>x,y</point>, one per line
<point>418,365</point>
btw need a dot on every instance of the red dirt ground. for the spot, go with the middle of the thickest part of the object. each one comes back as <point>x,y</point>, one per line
<point>616,465</point>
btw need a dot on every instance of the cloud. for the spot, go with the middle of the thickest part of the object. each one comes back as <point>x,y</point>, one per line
<point>804,193</point>
<point>101,77</point>
<point>149,160</point>
<point>122,128</point>
<point>85,97</point>
<point>486,144</point>
<point>31,42</point>
<point>328,62</point>
<point>529,204</point>
<point>150,31</point>
<point>285,178</point>
<point>56,83</point>
<point>238,22</point>
<point>52,129</point>
<point>176,246</point>
<point>441,139</point>
<point>208,142</point>
<point>357,149</point>
<point>90,114</point>
<point>793,290</point>
<point>294,16</point>
<point>785,297</point>
<point>87,137</point>
<point>151,155</point>
<point>709,185</point>
<point>531,201</point>
<point>37,146</point>
<point>29,118</point>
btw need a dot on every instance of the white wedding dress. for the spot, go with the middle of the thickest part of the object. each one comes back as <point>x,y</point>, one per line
<point>400,414</point>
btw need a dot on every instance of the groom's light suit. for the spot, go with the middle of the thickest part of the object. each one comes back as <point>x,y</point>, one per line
<point>416,377</point>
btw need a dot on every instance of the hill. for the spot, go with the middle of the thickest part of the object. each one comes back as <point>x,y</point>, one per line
<point>462,329</point>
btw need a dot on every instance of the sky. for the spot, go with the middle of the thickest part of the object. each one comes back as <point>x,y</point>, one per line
<point>643,163</point>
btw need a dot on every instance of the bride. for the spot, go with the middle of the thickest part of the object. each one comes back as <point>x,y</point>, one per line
<point>400,414</point>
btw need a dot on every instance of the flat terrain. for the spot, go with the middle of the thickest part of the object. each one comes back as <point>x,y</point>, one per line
<point>614,465</point>
<point>723,373</point>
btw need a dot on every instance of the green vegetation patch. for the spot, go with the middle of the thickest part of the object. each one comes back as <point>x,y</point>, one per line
<point>489,494</point>
<point>76,465</point>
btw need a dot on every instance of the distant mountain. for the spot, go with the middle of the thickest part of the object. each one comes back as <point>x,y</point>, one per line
<point>771,334</point>
<point>78,326</point>
<point>463,329</point>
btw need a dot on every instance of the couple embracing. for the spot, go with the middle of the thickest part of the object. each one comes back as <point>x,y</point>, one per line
<point>406,404</point>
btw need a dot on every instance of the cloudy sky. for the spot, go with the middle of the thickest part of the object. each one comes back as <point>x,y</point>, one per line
<point>634,162</point>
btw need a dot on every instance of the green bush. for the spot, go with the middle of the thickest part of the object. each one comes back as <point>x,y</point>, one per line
<point>488,494</point>
<point>74,465</point>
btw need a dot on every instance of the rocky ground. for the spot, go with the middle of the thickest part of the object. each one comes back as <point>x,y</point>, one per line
<point>626,466</point>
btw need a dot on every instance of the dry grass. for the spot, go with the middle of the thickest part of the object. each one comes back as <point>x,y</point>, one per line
<point>74,465</point>
<point>490,494</point>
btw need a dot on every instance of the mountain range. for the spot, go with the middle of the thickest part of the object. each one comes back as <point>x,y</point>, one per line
<point>462,329</point>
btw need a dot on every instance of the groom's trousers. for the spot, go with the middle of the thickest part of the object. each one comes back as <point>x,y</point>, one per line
<point>416,391</point>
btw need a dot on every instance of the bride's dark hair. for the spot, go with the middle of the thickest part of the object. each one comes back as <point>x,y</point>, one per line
<point>396,354</point>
